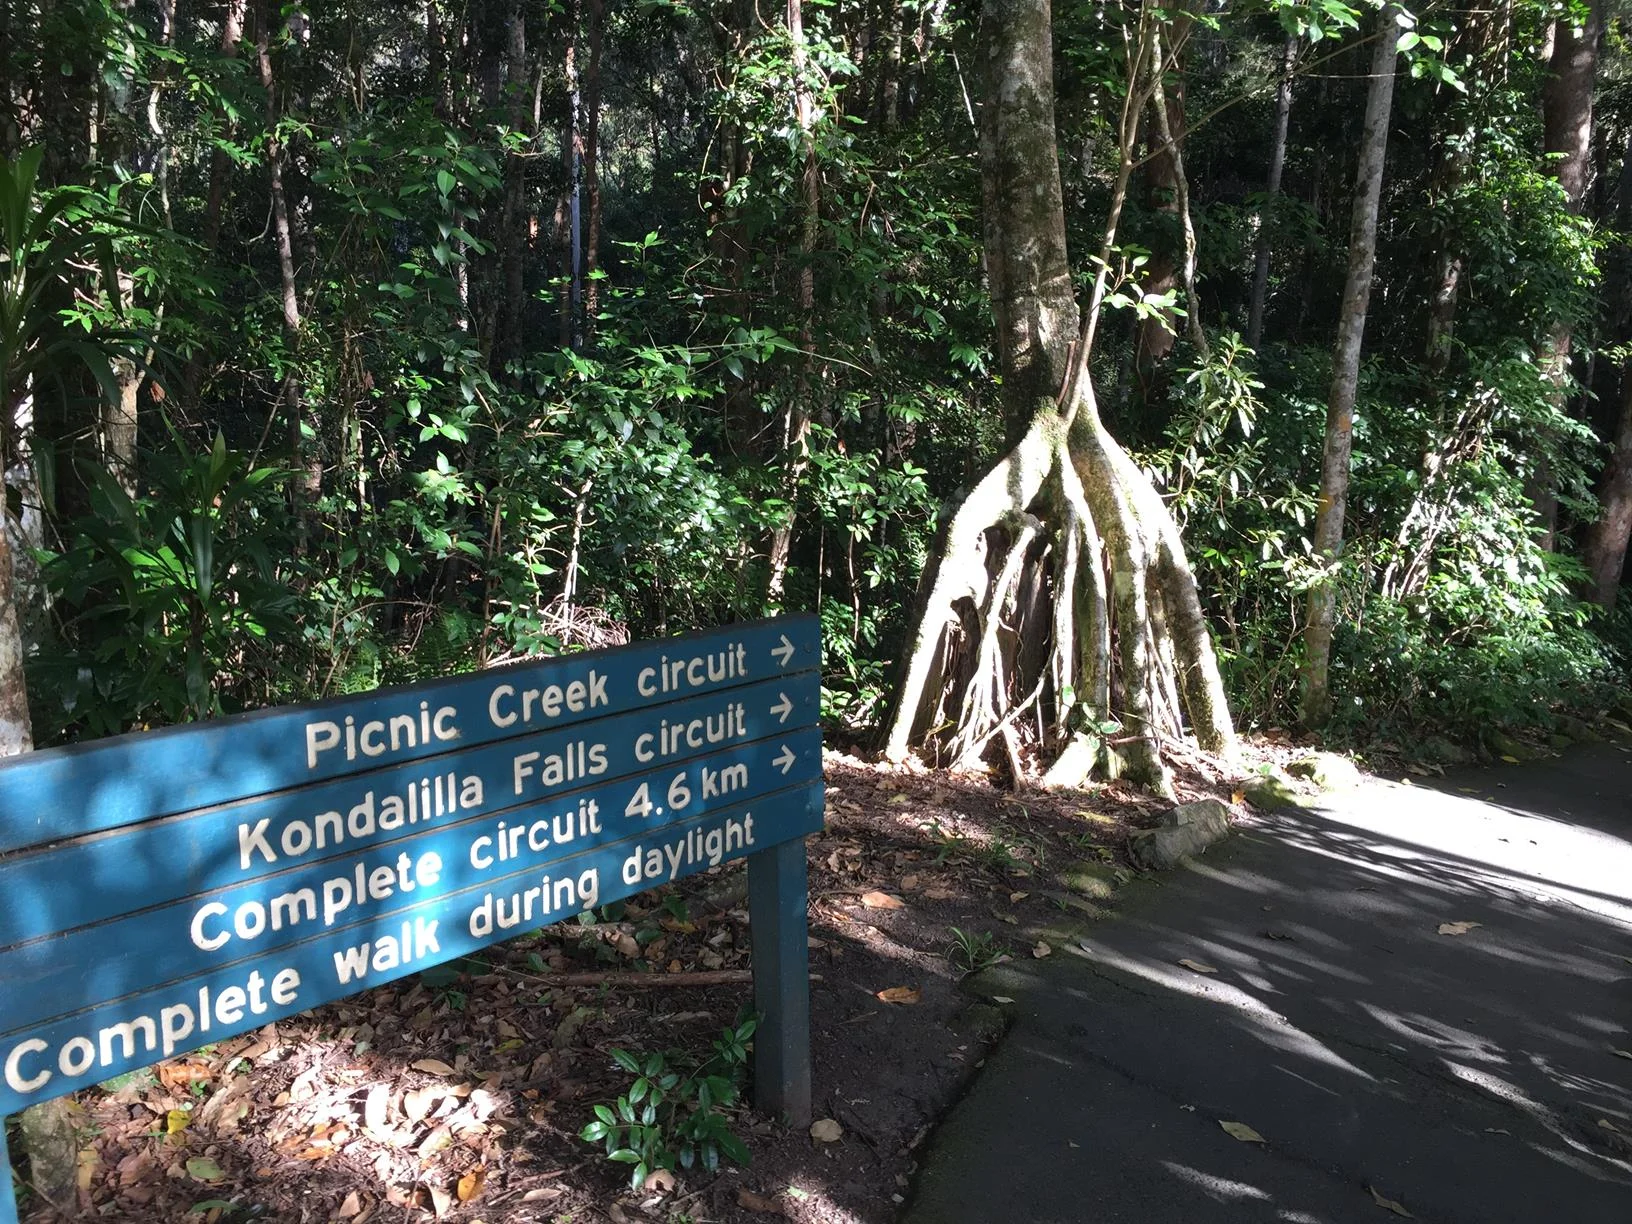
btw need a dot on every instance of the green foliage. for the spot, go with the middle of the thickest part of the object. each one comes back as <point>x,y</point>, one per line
<point>162,601</point>
<point>972,951</point>
<point>672,1117</point>
<point>43,234</point>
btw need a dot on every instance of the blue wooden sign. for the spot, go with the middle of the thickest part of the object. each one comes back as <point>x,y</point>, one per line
<point>169,889</point>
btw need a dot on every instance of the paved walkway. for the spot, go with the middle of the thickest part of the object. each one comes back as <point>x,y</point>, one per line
<point>1465,1079</point>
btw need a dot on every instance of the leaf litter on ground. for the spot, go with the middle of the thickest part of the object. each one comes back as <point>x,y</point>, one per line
<point>1389,1204</point>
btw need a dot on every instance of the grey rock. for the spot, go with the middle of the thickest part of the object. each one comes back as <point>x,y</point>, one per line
<point>1327,770</point>
<point>1272,793</point>
<point>1441,751</point>
<point>1579,731</point>
<point>1096,881</point>
<point>1504,745</point>
<point>1186,830</point>
<point>983,1022</point>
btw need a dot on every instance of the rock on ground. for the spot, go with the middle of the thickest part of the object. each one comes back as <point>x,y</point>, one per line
<point>1186,830</point>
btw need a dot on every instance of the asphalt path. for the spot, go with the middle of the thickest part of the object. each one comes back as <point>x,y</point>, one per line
<point>1391,1070</point>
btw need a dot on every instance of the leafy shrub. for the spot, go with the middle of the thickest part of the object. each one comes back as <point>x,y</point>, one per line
<point>673,1119</point>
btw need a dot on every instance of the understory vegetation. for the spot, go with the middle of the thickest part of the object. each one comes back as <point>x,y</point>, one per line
<point>352,344</point>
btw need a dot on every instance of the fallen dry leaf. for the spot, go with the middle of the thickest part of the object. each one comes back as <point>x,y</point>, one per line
<point>825,1130</point>
<point>436,1141</point>
<point>908,883</point>
<point>1620,1053</point>
<point>432,1066</point>
<point>882,900</point>
<point>1610,1126</point>
<point>202,1168</point>
<point>177,1120</point>
<point>376,1108</point>
<point>659,1181</point>
<point>1041,949</point>
<point>1241,1131</point>
<point>470,1185</point>
<point>1458,928</point>
<point>418,1102</point>
<point>749,1201</point>
<point>1389,1204</point>
<point>351,1206</point>
<point>1196,966</point>
<point>1001,999</point>
<point>901,994</point>
<point>441,1200</point>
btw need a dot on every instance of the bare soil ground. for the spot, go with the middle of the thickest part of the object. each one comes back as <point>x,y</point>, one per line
<point>458,1095</point>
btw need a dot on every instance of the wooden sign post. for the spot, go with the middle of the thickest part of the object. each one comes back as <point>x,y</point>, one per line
<point>170,889</point>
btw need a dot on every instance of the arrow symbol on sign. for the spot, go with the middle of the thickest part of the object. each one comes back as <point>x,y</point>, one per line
<point>783,652</point>
<point>782,708</point>
<point>785,760</point>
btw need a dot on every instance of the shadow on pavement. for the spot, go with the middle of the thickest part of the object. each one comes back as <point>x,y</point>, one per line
<point>1479,1076</point>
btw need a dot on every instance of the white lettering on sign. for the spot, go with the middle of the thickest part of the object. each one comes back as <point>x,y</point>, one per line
<point>576,761</point>
<point>506,706</point>
<point>31,1064</point>
<point>532,906</point>
<point>379,736</point>
<point>506,840</point>
<point>671,738</point>
<point>415,941</point>
<point>678,675</point>
<point>354,887</point>
<point>665,860</point>
<point>426,799</point>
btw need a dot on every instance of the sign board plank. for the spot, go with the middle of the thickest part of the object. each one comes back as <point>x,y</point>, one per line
<point>215,926</point>
<point>174,888</point>
<point>74,1051</point>
<point>68,792</point>
<point>97,878</point>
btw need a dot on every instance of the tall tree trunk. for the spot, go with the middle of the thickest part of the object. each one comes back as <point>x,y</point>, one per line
<point>568,219</point>
<point>437,57</point>
<point>234,14</point>
<point>513,225</point>
<point>1023,216</point>
<point>1604,549</point>
<point>1351,327</point>
<point>796,419</point>
<point>592,162</point>
<point>306,459</point>
<point>232,35</point>
<point>1272,192</point>
<point>16,728</point>
<point>1060,596</point>
<point>47,1128</point>
<point>1155,334</point>
<point>1171,139</point>
<point>889,84</point>
<point>1566,113</point>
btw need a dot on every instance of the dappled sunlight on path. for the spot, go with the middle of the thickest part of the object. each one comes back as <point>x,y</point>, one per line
<point>1419,992</point>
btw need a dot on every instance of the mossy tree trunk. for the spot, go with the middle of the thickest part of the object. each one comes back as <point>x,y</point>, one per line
<point>1060,599</point>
